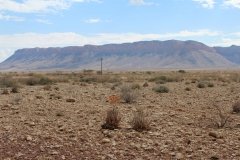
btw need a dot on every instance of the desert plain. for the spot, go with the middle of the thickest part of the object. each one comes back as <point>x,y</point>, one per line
<point>59,115</point>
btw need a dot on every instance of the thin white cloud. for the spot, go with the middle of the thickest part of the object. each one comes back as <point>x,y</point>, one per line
<point>14,18</point>
<point>43,21</point>
<point>139,2</point>
<point>206,3</point>
<point>3,55</point>
<point>37,6</point>
<point>65,39</point>
<point>232,3</point>
<point>92,21</point>
<point>227,42</point>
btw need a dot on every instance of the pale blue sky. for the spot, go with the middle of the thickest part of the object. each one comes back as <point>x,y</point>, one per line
<point>59,23</point>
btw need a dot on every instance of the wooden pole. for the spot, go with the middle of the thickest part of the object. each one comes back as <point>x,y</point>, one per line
<point>101,64</point>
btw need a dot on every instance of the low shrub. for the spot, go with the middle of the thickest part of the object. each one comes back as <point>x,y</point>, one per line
<point>14,89</point>
<point>236,107</point>
<point>47,87</point>
<point>128,94</point>
<point>149,72</point>
<point>161,89</point>
<point>188,89</point>
<point>182,71</point>
<point>201,85</point>
<point>160,82</point>
<point>210,84</point>
<point>45,81</point>
<point>5,91</point>
<point>7,81</point>
<point>162,79</point>
<point>140,121</point>
<point>112,120</point>
<point>32,81</point>
<point>135,86</point>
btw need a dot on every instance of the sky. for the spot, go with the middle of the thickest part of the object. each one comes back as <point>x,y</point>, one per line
<point>60,23</point>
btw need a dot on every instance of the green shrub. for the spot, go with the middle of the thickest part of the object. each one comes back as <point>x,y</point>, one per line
<point>149,72</point>
<point>182,71</point>
<point>160,82</point>
<point>201,85</point>
<point>45,81</point>
<point>7,81</point>
<point>89,79</point>
<point>161,89</point>
<point>161,79</point>
<point>135,86</point>
<point>32,81</point>
<point>210,84</point>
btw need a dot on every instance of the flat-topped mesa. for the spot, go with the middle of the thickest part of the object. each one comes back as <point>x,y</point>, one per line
<point>137,55</point>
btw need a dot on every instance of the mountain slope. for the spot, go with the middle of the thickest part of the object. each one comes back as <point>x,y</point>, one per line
<point>232,53</point>
<point>138,55</point>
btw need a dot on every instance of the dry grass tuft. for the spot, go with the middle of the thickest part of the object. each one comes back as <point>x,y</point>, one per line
<point>14,89</point>
<point>236,107</point>
<point>47,87</point>
<point>140,121</point>
<point>128,94</point>
<point>112,120</point>
<point>5,91</point>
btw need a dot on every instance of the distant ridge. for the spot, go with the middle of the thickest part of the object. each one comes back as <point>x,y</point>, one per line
<point>143,55</point>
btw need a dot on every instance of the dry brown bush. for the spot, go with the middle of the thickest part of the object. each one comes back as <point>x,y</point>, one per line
<point>140,121</point>
<point>220,118</point>
<point>5,91</point>
<point>47,87</point>
<point>112,120</point>
<point>236,107</point>
<point>14,89</point>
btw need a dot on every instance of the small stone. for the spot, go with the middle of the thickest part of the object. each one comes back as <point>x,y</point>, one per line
<point>106,140</point>
<point>179,156</point>
<point>145,84</point>
<point>172,153</point>
<point>113,143</point>
<point>220,141</point>
<point>188,150</point>
<point>168,142</point>
<point>70,100</point>
<point>39,97</point>
<point>19,154</point>
<point>29,138</point>
<point>54,153</point>
<point>42,149</point>
<point>213,134</point>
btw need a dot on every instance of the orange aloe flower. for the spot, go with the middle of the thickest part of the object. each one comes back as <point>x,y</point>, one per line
<point>114,99</point>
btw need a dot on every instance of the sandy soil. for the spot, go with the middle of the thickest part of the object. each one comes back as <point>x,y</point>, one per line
<point>40,124</point>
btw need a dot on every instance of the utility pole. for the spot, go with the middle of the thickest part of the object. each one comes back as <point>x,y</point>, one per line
<point>101,64</point>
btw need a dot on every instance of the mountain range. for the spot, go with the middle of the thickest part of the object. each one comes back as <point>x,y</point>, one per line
<point>143,55</point>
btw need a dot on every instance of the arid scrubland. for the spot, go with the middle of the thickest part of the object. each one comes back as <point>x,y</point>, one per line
<point>135,115</point>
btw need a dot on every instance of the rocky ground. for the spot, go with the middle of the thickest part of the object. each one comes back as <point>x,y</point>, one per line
<point>40,124</point>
